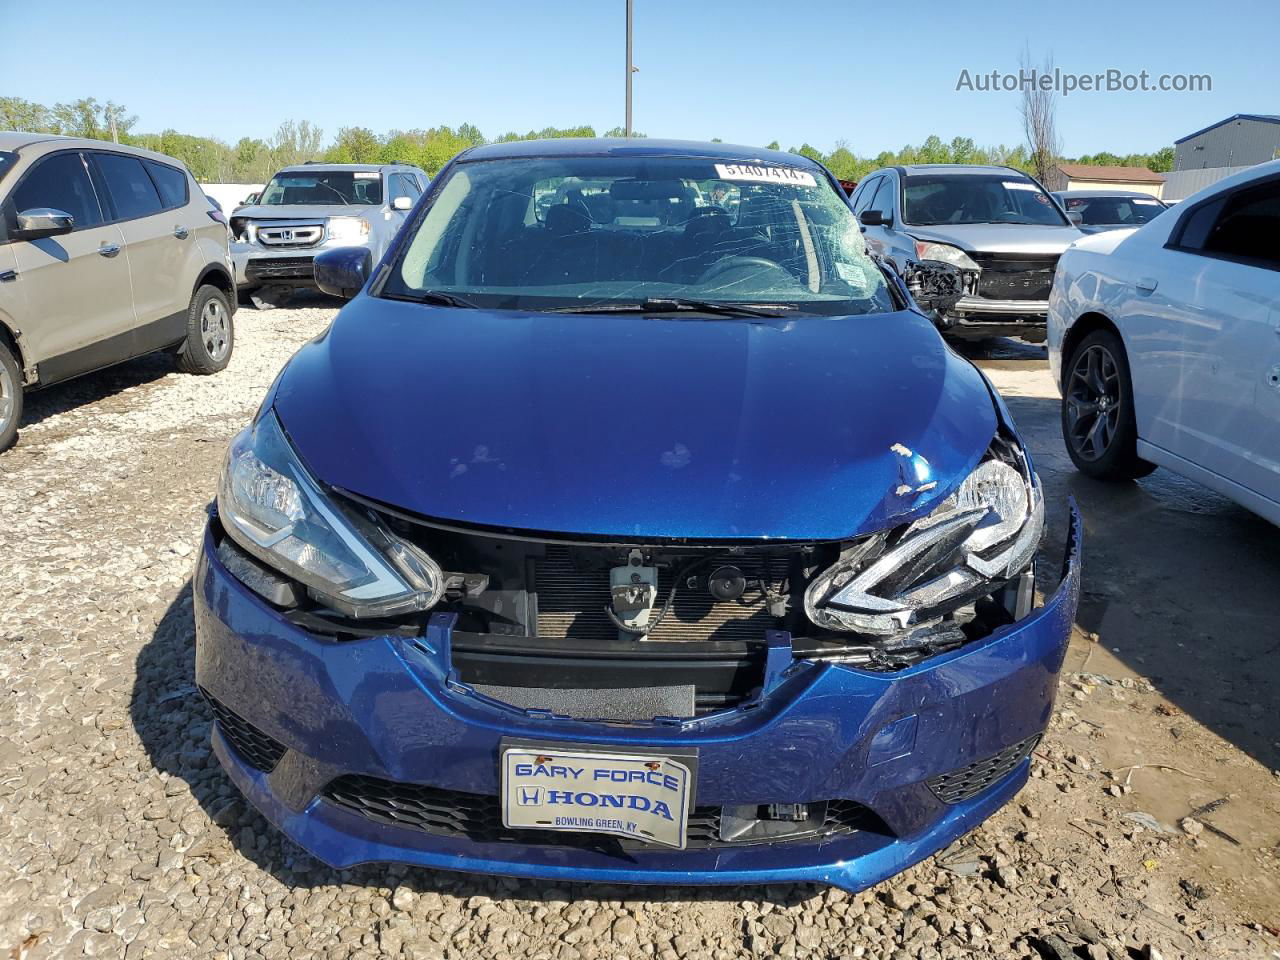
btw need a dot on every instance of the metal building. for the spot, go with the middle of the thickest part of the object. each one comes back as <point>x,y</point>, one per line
<point>1238,141</point>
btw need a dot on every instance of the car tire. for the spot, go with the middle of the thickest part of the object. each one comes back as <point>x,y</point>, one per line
<point>1098,423</point>
<point>10,397</point>
<point>210,333</point>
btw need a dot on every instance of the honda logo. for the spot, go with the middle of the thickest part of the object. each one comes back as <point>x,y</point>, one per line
<point>530,797</point>
<point>286,234</point>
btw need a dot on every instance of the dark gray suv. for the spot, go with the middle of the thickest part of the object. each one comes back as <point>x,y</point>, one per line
<point>996,224</point>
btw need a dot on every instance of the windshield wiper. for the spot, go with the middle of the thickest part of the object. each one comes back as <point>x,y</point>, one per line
<point>723,308</point>
<point>438,297</point>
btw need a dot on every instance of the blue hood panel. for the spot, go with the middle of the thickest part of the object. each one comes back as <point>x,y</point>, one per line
<point>637,427</point>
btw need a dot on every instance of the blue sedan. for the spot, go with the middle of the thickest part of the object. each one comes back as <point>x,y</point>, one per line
<point>631,523</point>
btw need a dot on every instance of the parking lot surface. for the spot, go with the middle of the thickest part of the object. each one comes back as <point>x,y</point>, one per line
<point>1151,825</point>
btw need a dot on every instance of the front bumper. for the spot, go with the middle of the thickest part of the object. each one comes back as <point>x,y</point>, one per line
<point>258,265</point>
<point>391,708</point>
<point>980,317</point>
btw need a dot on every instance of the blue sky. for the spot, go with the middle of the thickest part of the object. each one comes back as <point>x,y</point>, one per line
<point>877,76</point>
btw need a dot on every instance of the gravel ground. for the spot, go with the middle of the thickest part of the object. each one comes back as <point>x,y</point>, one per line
<point>120,836</point>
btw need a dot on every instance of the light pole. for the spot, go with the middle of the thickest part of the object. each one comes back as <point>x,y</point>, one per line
<point>630,69</point>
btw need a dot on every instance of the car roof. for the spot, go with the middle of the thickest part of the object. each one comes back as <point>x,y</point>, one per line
<point>1103,193</point>
<point>11,140</point>
<point>636,147</point>
<point>354,167</point>
<point>961,169</point>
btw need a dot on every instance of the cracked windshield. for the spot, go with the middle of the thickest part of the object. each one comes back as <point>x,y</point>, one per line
<point>614,232</point>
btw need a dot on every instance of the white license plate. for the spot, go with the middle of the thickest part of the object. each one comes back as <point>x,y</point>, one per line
<point>642,797</point>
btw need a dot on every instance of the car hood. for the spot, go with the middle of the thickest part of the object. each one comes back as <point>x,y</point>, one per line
<point>637,427</point>
<point>305,211</point>
<point>1029,238</point>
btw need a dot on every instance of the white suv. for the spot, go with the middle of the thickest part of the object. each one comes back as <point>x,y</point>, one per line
<point>106,253</point>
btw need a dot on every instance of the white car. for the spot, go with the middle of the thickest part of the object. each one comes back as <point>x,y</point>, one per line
<point>1165,343</point>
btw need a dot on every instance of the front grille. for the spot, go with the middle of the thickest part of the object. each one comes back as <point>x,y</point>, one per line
<point>960,785</point>
<point>1010,278</point>
<point>294,235</point>
<point>277,268</point>
<point>571,602</point>
<point>478,817</point>
<point>254,747</point>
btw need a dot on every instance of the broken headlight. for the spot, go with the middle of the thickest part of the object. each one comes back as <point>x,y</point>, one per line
<point>928,250</point>
<point>270,505</point>
<point>977,540</point>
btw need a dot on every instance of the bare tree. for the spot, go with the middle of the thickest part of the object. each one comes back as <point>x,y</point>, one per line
<point>1039,109</point>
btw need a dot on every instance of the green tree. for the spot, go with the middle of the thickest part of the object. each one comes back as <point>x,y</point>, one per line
<point>25,116</point>
<point>354,145</point>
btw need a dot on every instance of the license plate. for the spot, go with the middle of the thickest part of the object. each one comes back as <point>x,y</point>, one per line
<point>587,791</point>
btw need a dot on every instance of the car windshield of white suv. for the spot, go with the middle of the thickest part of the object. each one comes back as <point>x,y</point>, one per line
<point>977,198</point>
<point>341,187</point>
<point>639,233</point>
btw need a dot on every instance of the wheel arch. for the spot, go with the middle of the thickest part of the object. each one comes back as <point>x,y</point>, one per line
<point>216,275</point>
<point>1085,325</point>
<point>11,340</point>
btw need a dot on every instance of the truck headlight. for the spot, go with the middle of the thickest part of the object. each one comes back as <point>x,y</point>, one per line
<point>974,542</point>
<point>348,229</point>
<point>271,506</point>
<point>928,250</point>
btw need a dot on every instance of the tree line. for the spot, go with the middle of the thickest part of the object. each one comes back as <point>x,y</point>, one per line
<point>254,159</point>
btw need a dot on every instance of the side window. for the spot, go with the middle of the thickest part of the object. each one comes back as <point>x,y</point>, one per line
<point>403,185</point>
<point>171,182</point>
<point>866,191</point>
<point>1195,228</point>
<point>131,191</point>
<point>883,200</point>
<point>60,182</point>
<point>1249,225</point>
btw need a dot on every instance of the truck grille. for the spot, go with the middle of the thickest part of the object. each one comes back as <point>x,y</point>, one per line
<point>1010,278</point>
<point>290,234</point>
<point>571,603</point>
<point>478,817</point>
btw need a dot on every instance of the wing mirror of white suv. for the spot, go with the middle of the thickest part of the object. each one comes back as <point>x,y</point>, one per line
<point>874,218</point>
<point>401,203</point>
<point>40,222</point>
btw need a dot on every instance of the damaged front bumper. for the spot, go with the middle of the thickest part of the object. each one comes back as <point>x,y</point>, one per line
<point>372,749</point>
<point>258,265</point>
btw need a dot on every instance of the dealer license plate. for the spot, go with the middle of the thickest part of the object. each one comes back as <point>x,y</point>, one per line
<point>642,797</point>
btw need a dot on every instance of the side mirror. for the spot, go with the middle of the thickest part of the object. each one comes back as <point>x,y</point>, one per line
<point>250,200</point>
<point>401,203</point>
<point>40,222</point>
<point>1075,217</point>
<point>936,286</point>
<point>874,218</point>
<point>343,272</point>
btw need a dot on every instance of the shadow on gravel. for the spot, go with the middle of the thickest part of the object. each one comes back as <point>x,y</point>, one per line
<point>173,722</point>
<point>93,387</point>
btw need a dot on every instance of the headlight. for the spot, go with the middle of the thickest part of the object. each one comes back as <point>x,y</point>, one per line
<point>348,228</point>
<point>272,507</point>
<point>928,250</point>
<point>979,538</point>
